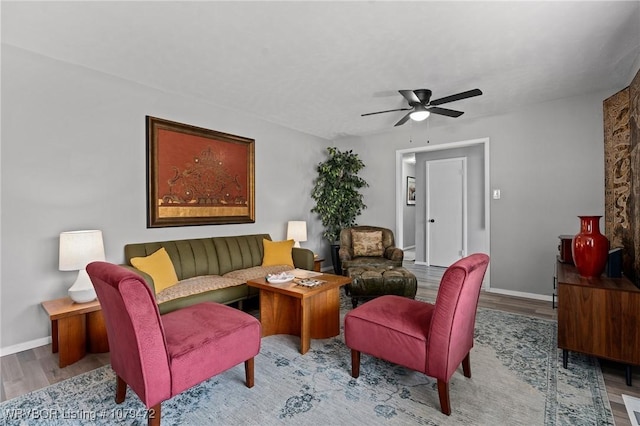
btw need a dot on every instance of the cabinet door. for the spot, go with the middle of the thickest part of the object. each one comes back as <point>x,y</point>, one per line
<point>599,322</point>
<point>588,321</point>
<point>630,339</point>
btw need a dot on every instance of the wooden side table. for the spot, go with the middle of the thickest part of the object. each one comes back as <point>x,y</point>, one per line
<point>317,263</point>
<point>75,329</point>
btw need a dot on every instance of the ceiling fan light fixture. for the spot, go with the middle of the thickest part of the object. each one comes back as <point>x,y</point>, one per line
<point>419,113</point>
<point>421,106</point>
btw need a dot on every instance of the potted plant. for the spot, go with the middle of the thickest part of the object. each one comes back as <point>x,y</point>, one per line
<point>337,195</point>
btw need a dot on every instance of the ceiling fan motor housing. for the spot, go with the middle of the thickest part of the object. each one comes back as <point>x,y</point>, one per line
<point>424,95</point>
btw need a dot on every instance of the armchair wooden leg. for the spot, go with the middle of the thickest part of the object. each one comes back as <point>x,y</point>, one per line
<point>355,363</point>
<point>153,415</point>
<point>121,390</point>
<point>249,372</point>
<point>466,365</point>
<point>443,393</point>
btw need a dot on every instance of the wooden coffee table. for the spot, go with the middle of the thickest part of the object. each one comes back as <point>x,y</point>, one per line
<point>311,313</point>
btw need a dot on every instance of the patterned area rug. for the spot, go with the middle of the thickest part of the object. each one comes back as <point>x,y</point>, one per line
<point>517,379</point>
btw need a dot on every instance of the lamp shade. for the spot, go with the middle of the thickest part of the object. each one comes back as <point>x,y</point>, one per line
<point>77,250</point>
<point>297,231</point>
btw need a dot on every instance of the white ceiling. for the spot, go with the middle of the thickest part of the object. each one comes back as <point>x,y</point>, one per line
<point>316,66</point>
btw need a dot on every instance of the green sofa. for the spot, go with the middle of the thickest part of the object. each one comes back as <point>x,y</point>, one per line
<point>213,269</point>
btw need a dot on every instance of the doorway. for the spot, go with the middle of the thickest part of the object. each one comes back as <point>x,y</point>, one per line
<point>445,211</point>
<point>477,231</point>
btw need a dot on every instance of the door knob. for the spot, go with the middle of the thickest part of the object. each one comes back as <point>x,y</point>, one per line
<point>432,220</point>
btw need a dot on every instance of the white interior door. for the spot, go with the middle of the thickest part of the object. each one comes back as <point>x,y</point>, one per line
<point>446,211</point>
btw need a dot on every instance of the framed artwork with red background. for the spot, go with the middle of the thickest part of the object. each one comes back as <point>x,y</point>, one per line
<point>197,176</point>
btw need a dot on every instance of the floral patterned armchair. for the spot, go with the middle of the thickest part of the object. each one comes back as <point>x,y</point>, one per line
<point>368,246</point>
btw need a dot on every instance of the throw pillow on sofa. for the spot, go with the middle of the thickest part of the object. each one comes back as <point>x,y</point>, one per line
<point>277,253</point>
<point>159,266</point>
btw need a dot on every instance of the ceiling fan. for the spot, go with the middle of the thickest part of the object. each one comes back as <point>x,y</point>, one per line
<point>421,105</point>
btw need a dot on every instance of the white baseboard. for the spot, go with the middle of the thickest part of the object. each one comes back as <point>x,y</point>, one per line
<point>25,346</point>
<point>521,294</point>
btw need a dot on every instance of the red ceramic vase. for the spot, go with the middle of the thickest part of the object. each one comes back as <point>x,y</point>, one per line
<point>590,248</point>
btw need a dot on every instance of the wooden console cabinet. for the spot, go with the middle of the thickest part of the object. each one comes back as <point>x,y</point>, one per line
<point>598,316</point>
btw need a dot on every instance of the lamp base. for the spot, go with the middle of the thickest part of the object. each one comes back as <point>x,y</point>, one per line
<point>82,290</point>
<point>82,296</point>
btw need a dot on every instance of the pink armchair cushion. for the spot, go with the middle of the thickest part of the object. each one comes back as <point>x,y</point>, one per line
<point>391,327</point>
<point>202,341</point>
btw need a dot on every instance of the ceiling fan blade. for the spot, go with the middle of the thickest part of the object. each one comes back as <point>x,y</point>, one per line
<point>445,111</point>
<point>457,97</point>
<point>410,96</point>
<point>382,112</point>
<point>403,120</point>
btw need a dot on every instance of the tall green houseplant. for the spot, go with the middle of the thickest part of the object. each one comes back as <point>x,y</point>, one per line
<point>337,195</point>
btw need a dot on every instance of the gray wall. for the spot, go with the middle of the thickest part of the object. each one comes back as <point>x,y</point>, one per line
<point>73,157</point>
<point>548,161</point>
<point>408,211</point>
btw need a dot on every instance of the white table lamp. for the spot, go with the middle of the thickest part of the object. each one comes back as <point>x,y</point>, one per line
<point>297,231</point>
<point>77,250</point>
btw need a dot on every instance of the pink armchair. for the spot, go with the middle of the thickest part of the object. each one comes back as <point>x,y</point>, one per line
<point>432,339</point>
<point>161,356</point>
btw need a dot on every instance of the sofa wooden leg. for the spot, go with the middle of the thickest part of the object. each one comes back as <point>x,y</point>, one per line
<point>153,415</point>
<point>443,393</point>
<point>466,365</point>
<point>121,390</point>
<point>355,363</point>
<point>248,372</point>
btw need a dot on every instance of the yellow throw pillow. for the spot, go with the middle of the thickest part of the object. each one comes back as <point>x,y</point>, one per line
<point>367,243</point>
<point>277,253</point>
<point>159,266</point>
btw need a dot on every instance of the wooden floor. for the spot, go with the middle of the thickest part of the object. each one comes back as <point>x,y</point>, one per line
<point>37,368</point>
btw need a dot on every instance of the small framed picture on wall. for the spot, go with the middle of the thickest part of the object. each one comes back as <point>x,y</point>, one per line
<point>411,190</point>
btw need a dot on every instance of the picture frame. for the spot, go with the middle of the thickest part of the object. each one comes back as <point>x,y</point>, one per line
<point>197,176</point>
<point>411,190</point>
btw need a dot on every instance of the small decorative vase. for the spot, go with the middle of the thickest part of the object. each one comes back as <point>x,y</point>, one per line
<point>590,248</point>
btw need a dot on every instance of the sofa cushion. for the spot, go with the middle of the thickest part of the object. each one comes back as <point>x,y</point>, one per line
<point>256,272</point>
<point>367,243</point>
<point>160,267</point>
<point>196,285</point>
<point>277,253</point>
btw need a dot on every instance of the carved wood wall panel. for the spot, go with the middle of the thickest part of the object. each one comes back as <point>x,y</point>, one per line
<point>622,174</point>
<point>634,196</point>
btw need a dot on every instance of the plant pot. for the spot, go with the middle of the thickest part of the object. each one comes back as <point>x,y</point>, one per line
<point>335,259</point>
<point>590,248</point>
